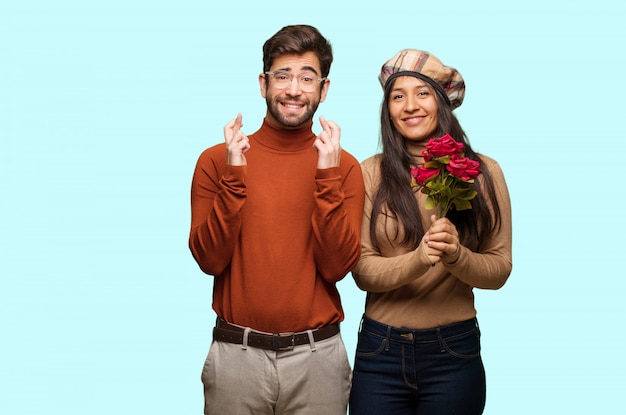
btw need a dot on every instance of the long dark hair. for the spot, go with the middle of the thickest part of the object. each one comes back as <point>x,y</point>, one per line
<point>395,198</point>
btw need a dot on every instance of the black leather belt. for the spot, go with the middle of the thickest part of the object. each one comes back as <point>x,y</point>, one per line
<point>229,333</point>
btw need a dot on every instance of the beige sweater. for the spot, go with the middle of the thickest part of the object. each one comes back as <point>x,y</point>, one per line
<point>404,290</point>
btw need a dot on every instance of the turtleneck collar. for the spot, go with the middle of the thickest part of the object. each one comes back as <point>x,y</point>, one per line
<point>286,140</point>
<point>415,148</point>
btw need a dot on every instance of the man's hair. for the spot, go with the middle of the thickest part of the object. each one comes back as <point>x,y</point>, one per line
<point>297,40</point>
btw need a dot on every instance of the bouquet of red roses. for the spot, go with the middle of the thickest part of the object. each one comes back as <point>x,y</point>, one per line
<point>446,175</point>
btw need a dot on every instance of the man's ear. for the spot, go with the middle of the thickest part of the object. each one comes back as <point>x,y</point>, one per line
<point>324,90</point>
<point>263,84</point>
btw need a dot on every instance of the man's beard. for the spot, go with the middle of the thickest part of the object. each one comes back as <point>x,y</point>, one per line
<point>273,106</point>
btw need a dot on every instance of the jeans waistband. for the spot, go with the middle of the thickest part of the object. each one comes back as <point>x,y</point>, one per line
<point>407,335</point>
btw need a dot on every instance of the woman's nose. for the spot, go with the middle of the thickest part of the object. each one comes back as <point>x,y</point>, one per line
<point>411,104</point>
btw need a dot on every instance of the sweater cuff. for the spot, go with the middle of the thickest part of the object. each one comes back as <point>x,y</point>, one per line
<point>234,172</point>
<point>329,173</point>
<point>452,258</point>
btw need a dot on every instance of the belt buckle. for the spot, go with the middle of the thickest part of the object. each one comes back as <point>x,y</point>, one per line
<point>276,341</point>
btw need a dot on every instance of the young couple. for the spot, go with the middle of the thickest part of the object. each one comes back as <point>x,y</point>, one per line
<point>281,215</point>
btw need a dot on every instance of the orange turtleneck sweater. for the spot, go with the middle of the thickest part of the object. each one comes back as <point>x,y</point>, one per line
<point>278,233</point>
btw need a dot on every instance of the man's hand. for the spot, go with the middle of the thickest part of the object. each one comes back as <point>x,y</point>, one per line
<point>236,142</point>
<point>327,145</point>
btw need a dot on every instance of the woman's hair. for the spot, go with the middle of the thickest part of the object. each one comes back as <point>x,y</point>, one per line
<point>296,40</point>
<point>396,198</point>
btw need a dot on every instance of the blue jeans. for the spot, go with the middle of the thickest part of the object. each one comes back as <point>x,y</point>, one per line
<point>402,371</point>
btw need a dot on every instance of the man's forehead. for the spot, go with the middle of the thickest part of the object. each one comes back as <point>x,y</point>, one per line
<point>297,63</point>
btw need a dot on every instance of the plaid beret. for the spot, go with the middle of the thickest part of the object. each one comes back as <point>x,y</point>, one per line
<point>448,81</point>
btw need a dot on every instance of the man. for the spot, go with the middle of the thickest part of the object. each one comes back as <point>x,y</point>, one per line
<point>276,219</point>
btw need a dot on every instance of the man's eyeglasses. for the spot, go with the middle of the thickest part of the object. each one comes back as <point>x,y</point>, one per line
<point>283,79</point>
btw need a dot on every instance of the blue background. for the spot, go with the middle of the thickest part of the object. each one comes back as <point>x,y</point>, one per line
<point>105,106</point>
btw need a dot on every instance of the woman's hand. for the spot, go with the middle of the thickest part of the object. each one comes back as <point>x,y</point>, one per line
<point>443,237</point>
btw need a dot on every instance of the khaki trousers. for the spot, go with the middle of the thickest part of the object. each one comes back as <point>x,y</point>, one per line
<point>308,380</point>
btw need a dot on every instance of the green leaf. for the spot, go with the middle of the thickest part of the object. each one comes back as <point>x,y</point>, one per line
<point>443,159</point>
<point>470,194</point>
<point>431,203</point>
<point>461,204</point>
<point>434,164</point>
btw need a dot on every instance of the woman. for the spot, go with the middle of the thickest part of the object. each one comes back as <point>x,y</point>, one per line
<point>418,350</point>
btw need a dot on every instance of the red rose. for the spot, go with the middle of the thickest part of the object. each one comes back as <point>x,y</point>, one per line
<point>444,146</point>
<point>463,168</point>
<point>446,176</point>
<point>422,174</point>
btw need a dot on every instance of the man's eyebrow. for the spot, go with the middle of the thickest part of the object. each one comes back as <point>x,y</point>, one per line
<point>310,68</point>
<point>304,68</point>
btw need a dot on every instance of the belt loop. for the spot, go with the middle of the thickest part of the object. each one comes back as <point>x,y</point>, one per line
<point>442,349</point>
<point>311,340</point>
<point>244,343</point>
<point>388,340</point>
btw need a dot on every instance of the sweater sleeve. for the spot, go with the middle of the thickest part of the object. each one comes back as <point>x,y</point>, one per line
<point>336,219</point>
<point>218,193</point>
<point>491,266</point>
<point>376,272</point>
